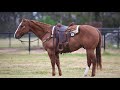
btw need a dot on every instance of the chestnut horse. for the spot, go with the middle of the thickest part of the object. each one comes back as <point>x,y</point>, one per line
<point>88,37</point>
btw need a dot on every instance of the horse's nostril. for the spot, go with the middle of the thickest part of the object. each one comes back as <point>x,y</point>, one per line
<point>16,37</point>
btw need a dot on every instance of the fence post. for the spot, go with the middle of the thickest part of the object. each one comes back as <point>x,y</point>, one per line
<point>104,42</point>
<point>29,43</point>
<point>118,40</point>
<point>9,39</point>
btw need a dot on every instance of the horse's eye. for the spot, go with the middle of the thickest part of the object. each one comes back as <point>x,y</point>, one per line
<point>21,26</point>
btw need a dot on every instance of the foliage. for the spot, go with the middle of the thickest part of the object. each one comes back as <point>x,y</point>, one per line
<point>10,20</point>
<point>48,20</point>
<point>84,20</point>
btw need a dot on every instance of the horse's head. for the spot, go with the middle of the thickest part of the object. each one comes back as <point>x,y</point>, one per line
<point>22,29</point>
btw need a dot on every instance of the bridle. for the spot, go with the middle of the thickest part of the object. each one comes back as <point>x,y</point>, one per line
<point>48,38</point>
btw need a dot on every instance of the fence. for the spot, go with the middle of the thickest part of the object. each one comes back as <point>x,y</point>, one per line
<point>10,35</point>
<point>104,32</point>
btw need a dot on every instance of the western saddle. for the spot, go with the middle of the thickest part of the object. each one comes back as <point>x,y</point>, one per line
<point>62,37</point>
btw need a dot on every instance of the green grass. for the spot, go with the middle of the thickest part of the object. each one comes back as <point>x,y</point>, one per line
<point>39,66</point>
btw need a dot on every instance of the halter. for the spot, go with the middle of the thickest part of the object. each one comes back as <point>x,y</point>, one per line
<point>27,41</point>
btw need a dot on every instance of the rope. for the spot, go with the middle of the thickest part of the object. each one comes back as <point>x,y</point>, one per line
<point>28,41</point>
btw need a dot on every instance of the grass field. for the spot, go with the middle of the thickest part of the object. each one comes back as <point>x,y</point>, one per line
<point>39,66</point>
<point>15,62</point>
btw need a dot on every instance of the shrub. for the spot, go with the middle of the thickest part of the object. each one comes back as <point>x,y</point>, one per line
<point>48,20</point>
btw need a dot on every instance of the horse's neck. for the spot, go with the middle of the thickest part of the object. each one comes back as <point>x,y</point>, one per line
<point>39,30</point>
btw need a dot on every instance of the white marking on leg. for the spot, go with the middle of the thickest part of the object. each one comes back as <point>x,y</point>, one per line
<point>86,71</point>
<point>17,29</point>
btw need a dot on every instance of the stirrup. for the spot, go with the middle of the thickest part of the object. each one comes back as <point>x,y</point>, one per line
<point>60,48</point>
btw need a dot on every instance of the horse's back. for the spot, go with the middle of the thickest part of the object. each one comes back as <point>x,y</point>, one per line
<point>88,28</point>
<point>89,36</point>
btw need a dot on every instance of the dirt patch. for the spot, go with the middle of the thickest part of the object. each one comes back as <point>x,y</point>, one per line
<point>33,51</point>
<point>20,50</point>
<point>8,50</point>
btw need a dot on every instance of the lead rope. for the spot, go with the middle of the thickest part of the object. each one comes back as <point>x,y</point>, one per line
<point>28,41</point>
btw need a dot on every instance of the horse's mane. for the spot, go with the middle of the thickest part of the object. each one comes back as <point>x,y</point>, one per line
<point>41,23</point>
<point>45,26</point>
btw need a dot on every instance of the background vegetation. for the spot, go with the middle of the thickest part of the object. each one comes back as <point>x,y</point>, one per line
<point>10,20</point>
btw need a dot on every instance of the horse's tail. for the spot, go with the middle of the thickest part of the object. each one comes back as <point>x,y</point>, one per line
<point>98,52</point>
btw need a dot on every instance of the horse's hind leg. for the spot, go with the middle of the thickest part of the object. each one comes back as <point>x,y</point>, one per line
<point>91,58</point>
<point>88,63</point>
<point>93,61</point>
<point>58,64</point>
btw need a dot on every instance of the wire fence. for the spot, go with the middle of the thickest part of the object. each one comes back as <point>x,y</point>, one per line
<point>110,39</point>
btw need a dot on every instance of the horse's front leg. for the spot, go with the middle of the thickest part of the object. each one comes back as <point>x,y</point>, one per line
<point>52,58</point>
<point>58,64</point>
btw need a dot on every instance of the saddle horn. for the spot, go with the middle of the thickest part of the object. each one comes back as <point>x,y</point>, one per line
<point>59,25</point>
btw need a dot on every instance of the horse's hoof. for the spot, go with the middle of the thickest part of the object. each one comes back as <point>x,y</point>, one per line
<point>53,74</point>
<point>60,74</point>
<point>92,75</point>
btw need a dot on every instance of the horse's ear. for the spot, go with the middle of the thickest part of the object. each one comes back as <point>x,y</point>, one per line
<point>24,19</point>
<point>20,20</point>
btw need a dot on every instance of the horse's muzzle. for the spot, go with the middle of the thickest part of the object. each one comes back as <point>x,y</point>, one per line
<point>17,37</point>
